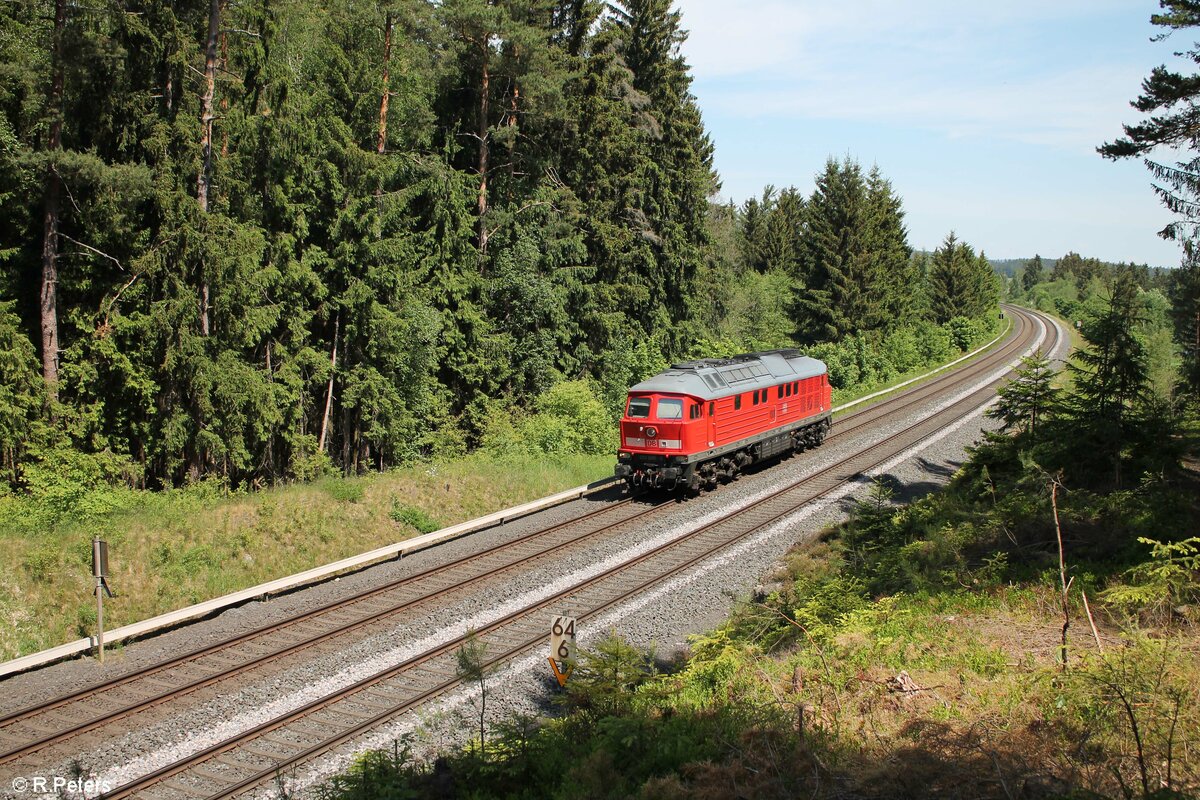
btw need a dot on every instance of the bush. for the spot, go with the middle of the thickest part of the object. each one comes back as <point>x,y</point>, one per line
<point>569,419</point>
<point>966,333</point>
<point>415,517</point>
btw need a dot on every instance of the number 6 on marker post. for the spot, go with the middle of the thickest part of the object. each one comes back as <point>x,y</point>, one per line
<point>562,648</point>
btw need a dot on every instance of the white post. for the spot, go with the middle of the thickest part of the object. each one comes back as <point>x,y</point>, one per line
<point>100,617</point>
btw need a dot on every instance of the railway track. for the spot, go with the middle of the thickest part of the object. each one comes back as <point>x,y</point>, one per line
<point>255,756</point>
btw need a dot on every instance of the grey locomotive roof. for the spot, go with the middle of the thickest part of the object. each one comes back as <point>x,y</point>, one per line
<point>711,378</point>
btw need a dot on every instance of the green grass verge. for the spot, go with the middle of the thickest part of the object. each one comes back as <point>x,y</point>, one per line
<point>172,549</point>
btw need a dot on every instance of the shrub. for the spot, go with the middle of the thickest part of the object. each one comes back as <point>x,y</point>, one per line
<point>415,517</point>
<point>568,419</point>
<point>1171,577</point>
<point>41,563</point>
<point>308,463</point>
<point>965,333</point>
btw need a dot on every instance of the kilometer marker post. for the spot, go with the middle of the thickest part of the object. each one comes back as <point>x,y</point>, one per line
<point>562,648</point>
<point>100,572</point>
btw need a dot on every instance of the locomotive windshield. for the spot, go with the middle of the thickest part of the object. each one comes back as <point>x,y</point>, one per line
<point>670,408</point>
<point>639,407</point>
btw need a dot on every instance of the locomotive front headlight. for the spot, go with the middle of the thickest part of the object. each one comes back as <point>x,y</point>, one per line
<point>651,432</point>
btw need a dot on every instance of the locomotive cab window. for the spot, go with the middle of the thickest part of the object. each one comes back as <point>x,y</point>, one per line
<point>780,397</point>
<point>694,411</point>
<point>639,407</point>
<point>670,408</point>
<point>712,409</point>
<point>737,402</point>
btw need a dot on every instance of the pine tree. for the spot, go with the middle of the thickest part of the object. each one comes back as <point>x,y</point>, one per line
<point>1035,273</point>
<point>854,261</point>
<point>887,240</point>
<point>1185,308</point>
<point>672,202</point>
<point>1170,98</point>
<point>952,286</point>
<point>834,227</point>
<point>754,220</point>
<point>1111,380</point>
<point>780,247</point>
<point>1028,398</point>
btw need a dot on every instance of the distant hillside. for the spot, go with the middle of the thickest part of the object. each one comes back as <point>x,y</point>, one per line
<point>1009,266</point>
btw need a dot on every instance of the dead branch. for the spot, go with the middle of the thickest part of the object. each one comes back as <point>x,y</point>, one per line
<point>89,248</point>
<point>1092,622</point>
<point>113,303</point>
<point>1062,568</point>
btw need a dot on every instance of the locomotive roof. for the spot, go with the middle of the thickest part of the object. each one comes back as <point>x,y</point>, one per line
<point>711,378</point>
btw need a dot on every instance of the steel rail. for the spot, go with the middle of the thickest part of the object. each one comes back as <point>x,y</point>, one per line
<point>288,649</point>
<point>957,410</point>
<point>900,400</point>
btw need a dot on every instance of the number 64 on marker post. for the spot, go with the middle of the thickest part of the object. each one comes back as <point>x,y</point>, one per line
<point>562,648</point>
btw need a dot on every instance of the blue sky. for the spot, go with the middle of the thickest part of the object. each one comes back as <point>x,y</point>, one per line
<point>985,116</point>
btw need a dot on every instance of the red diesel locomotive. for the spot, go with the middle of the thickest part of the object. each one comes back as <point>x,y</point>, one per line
<point>704,421</point>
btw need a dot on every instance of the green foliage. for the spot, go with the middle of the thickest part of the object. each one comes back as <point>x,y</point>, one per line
<point>568,419</point>
<point>961,284</point>
<point>855,265</point>
<point>412,516</point>
<point>864,361</point>
<point>1111,383</point>
<point>22,394</point>
<point>1171,577</point>
<point>1029,398</point>
<point>608,675</point>
<point>343,490</point>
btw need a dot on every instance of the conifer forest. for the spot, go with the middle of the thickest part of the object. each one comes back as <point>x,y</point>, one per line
<point>261,240</point>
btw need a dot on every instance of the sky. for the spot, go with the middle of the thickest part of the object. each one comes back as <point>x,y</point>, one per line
<point>985,116</point>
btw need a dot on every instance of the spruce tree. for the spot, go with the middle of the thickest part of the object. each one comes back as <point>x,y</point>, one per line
<point>1111,380</point>
<point>1170,98</point>
<point>1026,400</point>
<point>951,283</point>
<point>832,252</point>
<point>1184,292</point>
<point>887,240</point>
<point>1035,273</point>
<point>854,261</point>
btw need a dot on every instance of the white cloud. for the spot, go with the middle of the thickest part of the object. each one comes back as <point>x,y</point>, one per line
<point>960,69</point>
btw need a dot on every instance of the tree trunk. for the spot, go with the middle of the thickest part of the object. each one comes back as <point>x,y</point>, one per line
<point>484,153</point>
<point>388,24</point>
<point>513,102</point>
<point>329,390</point>
<point>204,180</point>
<point>49,290</point>
<point>224,98</point>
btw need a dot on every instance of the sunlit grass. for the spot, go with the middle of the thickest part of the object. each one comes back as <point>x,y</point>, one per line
<point>173,549</point>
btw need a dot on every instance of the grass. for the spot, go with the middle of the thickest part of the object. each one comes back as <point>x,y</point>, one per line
<point>172,549</point>
<point>951,694</point>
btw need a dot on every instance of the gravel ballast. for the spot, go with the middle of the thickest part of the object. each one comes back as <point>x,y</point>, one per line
<point>661,619</point>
